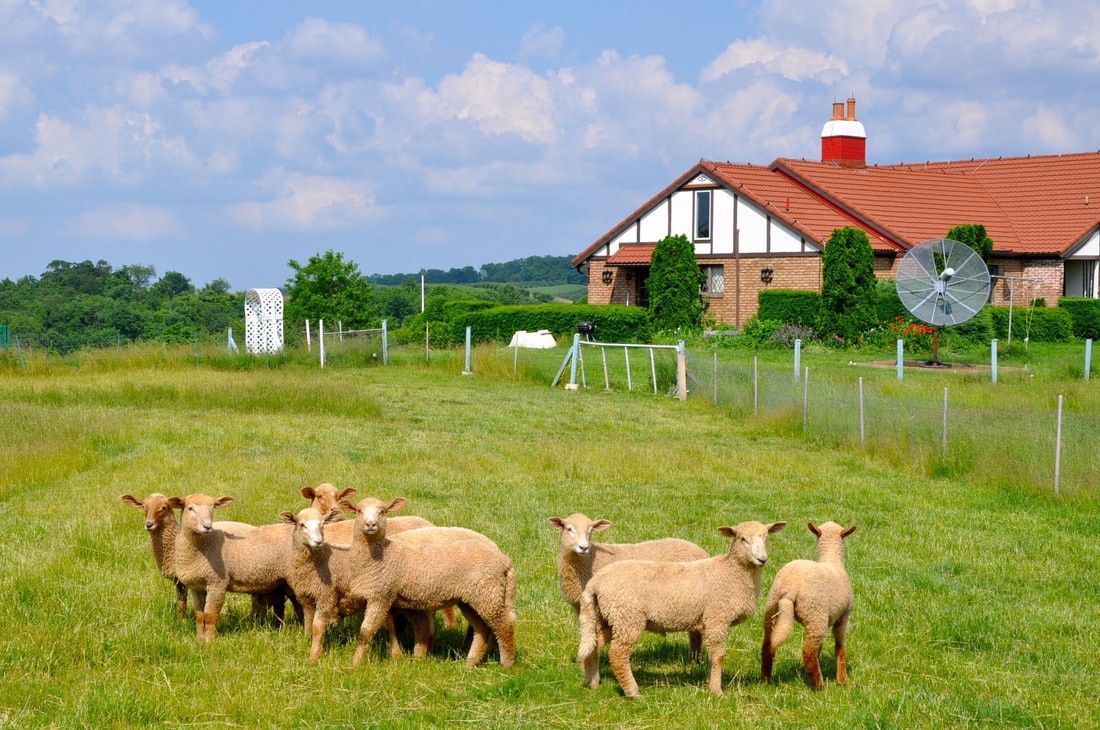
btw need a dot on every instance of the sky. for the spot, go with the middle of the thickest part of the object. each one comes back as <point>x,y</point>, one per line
<point>222,140</point>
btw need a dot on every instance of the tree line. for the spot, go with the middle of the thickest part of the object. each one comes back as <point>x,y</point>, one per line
<point>532,271</point>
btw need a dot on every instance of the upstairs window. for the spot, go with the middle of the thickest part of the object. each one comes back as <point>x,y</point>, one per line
<point>702,215</point>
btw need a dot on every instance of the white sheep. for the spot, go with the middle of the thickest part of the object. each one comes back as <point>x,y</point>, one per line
<point>320,577</point>
<point>162,525</point>
<point>413,570</point>
<point>579,558</point>
<point>211,561</point>
<point>817,594</point>
<point>710,595</point>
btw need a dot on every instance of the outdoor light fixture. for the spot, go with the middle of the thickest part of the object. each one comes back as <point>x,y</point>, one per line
<point>766,274</point>
<point>607,276</point>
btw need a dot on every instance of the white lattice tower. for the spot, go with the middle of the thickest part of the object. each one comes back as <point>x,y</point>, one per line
<point>263,321</point>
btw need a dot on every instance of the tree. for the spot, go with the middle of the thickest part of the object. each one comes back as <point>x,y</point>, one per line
<point>673,285</point>
<point>848,297</point>
<point>973,235</point>
<point>329,288</point>
<point>173,284</point>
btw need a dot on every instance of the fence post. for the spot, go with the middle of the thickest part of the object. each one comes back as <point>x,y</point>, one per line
<point>755,385</point>
<point>427,344</point>
<point>572,384</point>
<point>901,359</point>
<point>993,359</point>
<point>944,447</point>
<point>1058,450</point>
<point>681,371</point>
<point>515,360</point>
<point>716,378</point>
<point>862,433</point>
<point>385,344</point>
<point>467,371</point>
<point>309,342</point>
<point>321,341</point>
<point>797,359</point>
<point>603,358</point>
<point>653,369</point>
<point>626,358</point>
<point>1088,358</point>
<point>340,329</point>
<point>805,399</point>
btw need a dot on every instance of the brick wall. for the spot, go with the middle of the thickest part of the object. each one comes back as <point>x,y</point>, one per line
<point>1046,280</point>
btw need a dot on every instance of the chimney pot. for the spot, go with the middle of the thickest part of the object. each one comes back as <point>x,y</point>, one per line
<point>851,108</point>
<point>838,110</point>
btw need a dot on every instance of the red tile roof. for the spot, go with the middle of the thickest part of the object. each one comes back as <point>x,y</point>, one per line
<point>1042,205</point>
<point>632,255</point>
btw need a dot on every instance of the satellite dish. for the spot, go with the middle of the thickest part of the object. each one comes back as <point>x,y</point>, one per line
<point>943,282</point>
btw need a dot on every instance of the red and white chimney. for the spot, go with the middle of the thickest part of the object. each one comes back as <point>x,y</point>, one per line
<point>843,139</point>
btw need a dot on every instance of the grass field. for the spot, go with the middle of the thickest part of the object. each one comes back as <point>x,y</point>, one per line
<point>976,600</point>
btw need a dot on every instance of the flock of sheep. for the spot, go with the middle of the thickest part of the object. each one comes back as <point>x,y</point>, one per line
<point>391,567</point>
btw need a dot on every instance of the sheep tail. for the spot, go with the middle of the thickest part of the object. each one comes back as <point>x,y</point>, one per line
<point>510,594</point>
<point>589,618</point>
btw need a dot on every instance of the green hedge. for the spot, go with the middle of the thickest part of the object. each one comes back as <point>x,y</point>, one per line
<point>614,323</point>
<point>1085,314</point>
<point>889,305</point>
<point>796,306</point>
<point>1046,324</point>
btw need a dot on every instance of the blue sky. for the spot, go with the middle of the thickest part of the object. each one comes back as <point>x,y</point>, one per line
<point>223,139</point>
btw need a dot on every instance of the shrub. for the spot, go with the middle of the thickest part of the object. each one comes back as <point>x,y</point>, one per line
<point>674,280</point>
<point>788,332</point>
<point>1084,314</point>
<point>758,332</point>
<point>889,306</point>
<point>1038,325</point>
<point>795,306</point>
<point>978,330</point>
<point>614,323</point>
<point>848,298</point>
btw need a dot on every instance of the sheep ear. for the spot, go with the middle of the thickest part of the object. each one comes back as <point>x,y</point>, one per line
<point>288,517</point>
<point>776,527</point>
<point>555,521</point>
<point>223,501</point>
<point>132,501</point>
<point>813,529</point>
<point>175,502</point>
<point>334,515</point>
<point>600,525</point>
<point>396,504</point>
<point>727,531</point>
<point>308,492</point>
<point>347,493</point>
<point>347,506</point>
<point>848,531</point>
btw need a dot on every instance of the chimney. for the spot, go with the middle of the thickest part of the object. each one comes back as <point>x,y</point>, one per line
<point>843,139</point>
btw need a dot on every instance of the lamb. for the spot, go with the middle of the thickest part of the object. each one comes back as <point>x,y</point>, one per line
<point>211,560</point>
<point>818,594</point>
<point>710,595</point>
<point>162,526</point>
<point>415,570</point>
<point>320,578</point>
<point>579,558</point>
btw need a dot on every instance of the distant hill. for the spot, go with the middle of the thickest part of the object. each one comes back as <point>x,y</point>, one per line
<point>532,271</point>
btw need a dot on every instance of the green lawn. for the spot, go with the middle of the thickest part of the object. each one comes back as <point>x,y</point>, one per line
<point>976,599</point>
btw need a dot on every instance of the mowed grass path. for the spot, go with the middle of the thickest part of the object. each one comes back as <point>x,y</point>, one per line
<point>976,604</point>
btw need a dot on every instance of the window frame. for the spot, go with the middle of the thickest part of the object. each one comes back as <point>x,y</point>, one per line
<point>709,217</point>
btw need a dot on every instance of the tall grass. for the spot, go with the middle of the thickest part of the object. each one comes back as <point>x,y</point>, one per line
<point>975,599</point>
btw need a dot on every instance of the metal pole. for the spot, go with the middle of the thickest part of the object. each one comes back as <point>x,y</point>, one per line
<point>427,344</point>
<point>572,384</point>
<point>653,370</point>
<point>468,370</point>
<point>993,359</point>
<point>862,433</point>
<point>515,360</point>
<point>805,399</point>
<point>681,371</point>
<point>626,357</point>
<point>1011,290</point>
<point>797,358</point>
<point>755,385</point>
<point>309,342</point>
<point>715,378</point>
<point>603,357</point>
<point>321,326</point>
<point>385,344</point>
<point>1058,450</point>
<point>422,292</point>
<point>1088,358</point>
<point>340,329</point>
<point>944,447</point>
<point>901,359</point>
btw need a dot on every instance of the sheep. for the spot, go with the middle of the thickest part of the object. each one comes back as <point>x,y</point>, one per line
<point>579,558</point>
<point>817,594</point>
<point>710,595</point>
<point>414,570</point>
<point>211,561</point>
<point>325,497</point>
<point>162,526</point>
<point>320,578</point>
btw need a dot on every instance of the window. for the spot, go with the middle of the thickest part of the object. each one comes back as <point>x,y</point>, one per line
<point>715,283</point>
<point>702,215</point>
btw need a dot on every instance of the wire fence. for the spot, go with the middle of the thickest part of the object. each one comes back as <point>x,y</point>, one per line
<point>1049,447</point>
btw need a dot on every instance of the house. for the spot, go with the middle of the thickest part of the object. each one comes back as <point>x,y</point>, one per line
<point>757,227</point>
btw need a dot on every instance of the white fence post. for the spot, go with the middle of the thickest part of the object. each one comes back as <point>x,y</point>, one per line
<point>755,385</point>
<point>309,343</point>
<point>321,346</point>
<point>862,433</point>
<point>468,370</point>
<point>626,359</point>
<point>797,359</point>
<point>1088,358</point>
<point>681,371</point>
<point>603,358</point>
<point>901,359</point>
<point>993,360</point>
<point>1058,450</point>
<point>715,378</point>
<point>805,400</point>
<point>385,344</point>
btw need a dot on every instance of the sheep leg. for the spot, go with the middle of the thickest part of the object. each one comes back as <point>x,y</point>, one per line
<point>811,655</point>
<point>211,611</point>
<point>622,646</point>
<point>422,632</point>
<point>198,597</point>
<point>479,645</point>
<point>695,645</point>
<point>840,630</point>
<point>396,652</point>
<point>591,663</point>
<point>716,650</point>
<point>373,618</point>
<point>778,621</point>
<point>505,634</point>
<point>450,621</point>
<point>317,625</point>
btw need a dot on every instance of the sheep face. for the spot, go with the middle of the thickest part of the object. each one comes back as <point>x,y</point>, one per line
<point>326,497</point>
<point>156,507</point>
<point>750,540</point>
<point>309,525</point>
<point>198,511</point>
<point>576,532</point>
<point>370,514</point>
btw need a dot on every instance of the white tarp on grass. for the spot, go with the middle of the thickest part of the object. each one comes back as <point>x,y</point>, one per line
<point>541,340</point>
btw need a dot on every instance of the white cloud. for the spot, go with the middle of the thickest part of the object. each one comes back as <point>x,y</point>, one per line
<point>540,41</point>
<point>501,99</point>
<point>218,74</point>
<point>796,64</point>
<point>128,221</point>
<point>1050,128</point>
<point>308,202</point>
<point>340,43</point>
